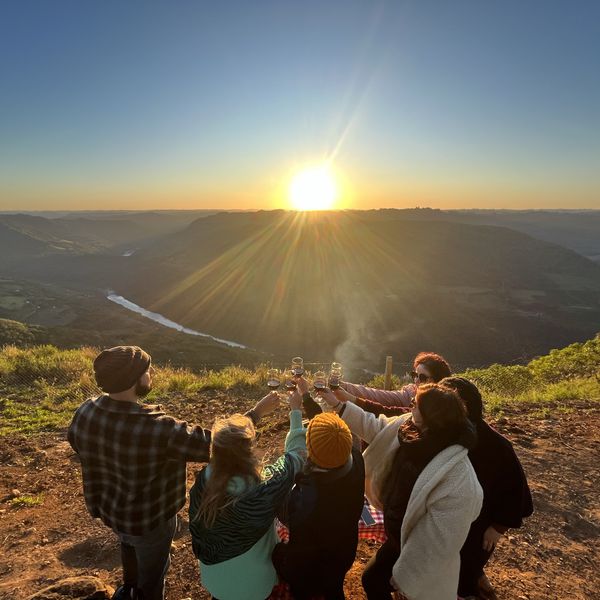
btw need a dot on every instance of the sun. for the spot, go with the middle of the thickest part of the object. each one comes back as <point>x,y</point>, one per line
<point>313,188</point>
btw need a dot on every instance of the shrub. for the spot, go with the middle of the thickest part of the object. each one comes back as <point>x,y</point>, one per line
<point>576,360</point>
<point>500,379</point>
<point>379,382</point>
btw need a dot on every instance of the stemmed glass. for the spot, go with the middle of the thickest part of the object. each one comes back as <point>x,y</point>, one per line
<point>320,381</point>
<point>297,366</point>
<point>335,375</point>
<point>273,379</point>
<point>290,384</point>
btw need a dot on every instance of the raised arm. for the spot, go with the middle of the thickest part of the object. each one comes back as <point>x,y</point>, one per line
<point>401,397</point>
<point>377,408</point>
<point>363,424</point>
<point>187,442</point>
<point>279,477</point>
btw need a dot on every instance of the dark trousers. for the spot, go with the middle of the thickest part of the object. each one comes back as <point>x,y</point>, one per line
<point>472,560</point>
<point>146,559</point>
<point>310,578</point>
<point>378,572</point>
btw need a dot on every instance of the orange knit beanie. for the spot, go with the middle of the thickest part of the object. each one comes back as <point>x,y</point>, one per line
<point>328,440</point>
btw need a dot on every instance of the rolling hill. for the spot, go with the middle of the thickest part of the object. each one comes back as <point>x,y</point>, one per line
<point>359,286</point>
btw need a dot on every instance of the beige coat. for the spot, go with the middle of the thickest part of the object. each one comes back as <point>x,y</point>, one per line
<point>445,500</point>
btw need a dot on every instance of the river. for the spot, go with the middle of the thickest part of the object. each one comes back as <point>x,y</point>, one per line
<point>158,318</point>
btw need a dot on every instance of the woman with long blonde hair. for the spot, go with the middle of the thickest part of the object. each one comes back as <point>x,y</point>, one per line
<point>233,504</point>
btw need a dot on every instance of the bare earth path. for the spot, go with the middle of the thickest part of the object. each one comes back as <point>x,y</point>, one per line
<point>555,556</point>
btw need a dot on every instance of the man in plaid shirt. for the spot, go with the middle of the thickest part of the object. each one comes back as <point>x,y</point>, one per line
<point>133,462</point>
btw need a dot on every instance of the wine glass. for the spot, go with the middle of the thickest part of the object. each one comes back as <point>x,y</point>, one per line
<point>320,381</point>
<point>273,379</point>
<point>290,383</point>
<point>297,366</point>
<point>335,375</point>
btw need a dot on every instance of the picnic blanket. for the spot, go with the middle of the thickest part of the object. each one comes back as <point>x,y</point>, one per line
<point>368,528</point>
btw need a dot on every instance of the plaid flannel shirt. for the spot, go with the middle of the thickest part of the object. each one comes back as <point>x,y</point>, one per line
<point>133,461</point>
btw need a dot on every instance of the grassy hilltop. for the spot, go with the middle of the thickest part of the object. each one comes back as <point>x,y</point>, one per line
<point>40,386</point>
<point>547,408</point>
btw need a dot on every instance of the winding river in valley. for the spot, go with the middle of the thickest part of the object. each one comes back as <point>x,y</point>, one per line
<point>158,318</point>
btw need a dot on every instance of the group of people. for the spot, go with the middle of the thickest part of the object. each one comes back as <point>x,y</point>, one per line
<point>449,486</point>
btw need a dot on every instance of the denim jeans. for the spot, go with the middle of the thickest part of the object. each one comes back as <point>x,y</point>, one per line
<point>152,558</point>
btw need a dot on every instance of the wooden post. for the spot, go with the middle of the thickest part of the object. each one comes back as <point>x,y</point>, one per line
<point>387,382</point>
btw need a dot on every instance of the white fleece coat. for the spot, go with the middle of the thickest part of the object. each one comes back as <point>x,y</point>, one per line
<point>445,500</point>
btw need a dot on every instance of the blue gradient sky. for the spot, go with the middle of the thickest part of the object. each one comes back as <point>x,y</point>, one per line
<point>130,104</point>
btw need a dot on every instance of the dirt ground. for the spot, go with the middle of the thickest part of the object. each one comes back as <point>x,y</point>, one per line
<point>555,555</point>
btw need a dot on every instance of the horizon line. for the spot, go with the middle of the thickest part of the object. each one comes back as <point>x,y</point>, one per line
<point>191,210</point>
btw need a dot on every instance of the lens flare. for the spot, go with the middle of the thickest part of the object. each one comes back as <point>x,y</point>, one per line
<point>313,189</point>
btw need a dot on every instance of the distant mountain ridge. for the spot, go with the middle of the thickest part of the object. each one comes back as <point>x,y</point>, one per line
<point>360,285</point>
<point>355,285</point>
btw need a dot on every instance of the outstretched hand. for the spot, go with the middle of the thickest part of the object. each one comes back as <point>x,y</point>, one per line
<point>301,385</point>
<point>267,404</point>
<point>329,397</point>
<point>295,399</point>
<point>343,396</point>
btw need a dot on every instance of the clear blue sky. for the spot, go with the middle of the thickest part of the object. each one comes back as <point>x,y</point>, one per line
<point>145,104</point>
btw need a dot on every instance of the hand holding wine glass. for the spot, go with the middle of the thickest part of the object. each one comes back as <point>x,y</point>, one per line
<point>295,400</point>
<point>327,397</point>
<point>302,385</point>
<point>343,396</point>
<point>267,404</point>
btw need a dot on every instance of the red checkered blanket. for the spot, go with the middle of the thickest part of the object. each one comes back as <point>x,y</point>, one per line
<point>373,531</point>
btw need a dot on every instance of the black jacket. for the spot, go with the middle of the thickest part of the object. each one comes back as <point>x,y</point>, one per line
<point>322,514</point>
<point>506,496</point>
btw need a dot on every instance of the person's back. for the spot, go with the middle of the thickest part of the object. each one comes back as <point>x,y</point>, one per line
<point>133,461</point>
<point>233,504</point>
<point>506,495</point>
<point>322,514</point>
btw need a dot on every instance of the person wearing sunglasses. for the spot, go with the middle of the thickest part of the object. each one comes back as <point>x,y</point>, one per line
<point>428,367</point>
<point>418,473</point>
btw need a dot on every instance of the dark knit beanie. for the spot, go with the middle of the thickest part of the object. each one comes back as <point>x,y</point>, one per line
<point>117,369</point>
<point>468,393</point>
<point>328,440</point>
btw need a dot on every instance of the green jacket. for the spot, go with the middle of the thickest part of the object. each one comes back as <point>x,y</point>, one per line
<point>235,553</point>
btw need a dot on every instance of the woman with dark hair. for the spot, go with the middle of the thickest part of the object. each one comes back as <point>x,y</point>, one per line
<point>233,505</point>
<point>428,367</point>
<point>418,473</point>
<point>506,496</point>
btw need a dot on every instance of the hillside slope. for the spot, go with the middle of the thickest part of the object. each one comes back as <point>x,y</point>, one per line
<point>360,286</point>
<point>553,423</point>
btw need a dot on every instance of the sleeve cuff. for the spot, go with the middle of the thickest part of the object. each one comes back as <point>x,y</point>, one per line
<point>295,419</point>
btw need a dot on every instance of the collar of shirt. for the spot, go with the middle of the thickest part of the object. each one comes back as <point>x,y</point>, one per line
<point>119,406</point>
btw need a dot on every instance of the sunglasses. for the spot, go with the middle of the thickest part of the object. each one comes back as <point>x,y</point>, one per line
<point>420,376</point>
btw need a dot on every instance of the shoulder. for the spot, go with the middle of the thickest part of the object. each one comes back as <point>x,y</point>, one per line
<point>84,411</point>
<point>492,445</point>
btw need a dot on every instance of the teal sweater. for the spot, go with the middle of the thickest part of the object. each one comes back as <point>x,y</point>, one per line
<point>235,553</point>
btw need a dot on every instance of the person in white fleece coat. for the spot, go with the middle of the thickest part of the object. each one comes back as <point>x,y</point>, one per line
<point>419,474</point>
